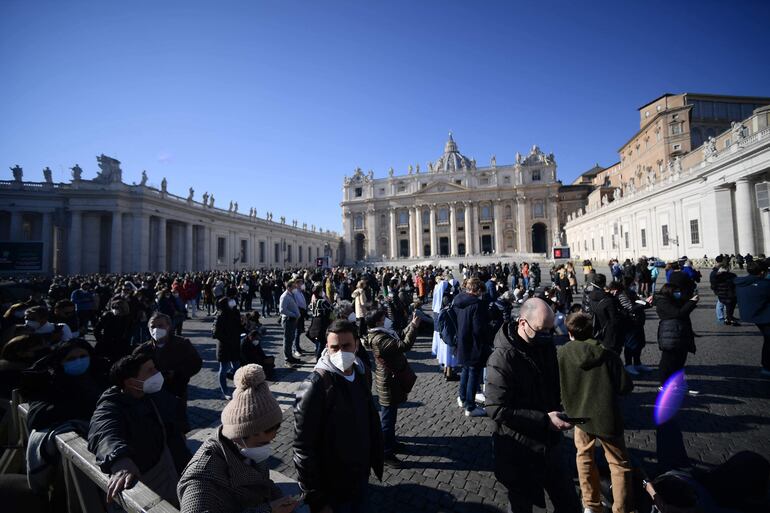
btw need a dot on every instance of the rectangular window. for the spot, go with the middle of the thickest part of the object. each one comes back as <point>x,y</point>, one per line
<point>423,185</point>
<point>676,129</point>
<point>359,192</point>
<point>221,245</point>
<point>382,191</point>
<point>403,218</point>
<point>506,179</point>
<point>538,209</point>
<point>458,182</point>
<point>401,188</point>
<point>536,175</point>
<point>644,238</point>
<point>694,232</point>
<point>244,248</point>
<point>664,232</point>
<point>484,181</point>
<point>677,147</point>
<point>261,252</point>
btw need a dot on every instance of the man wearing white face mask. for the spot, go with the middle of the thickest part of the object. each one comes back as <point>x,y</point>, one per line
<point>175,357</point>
<point>36,318</point>
<point>338,436</point>
<point>136,430</point>
<point>230,472</point>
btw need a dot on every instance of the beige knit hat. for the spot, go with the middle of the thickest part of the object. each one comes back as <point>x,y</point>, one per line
<point>253,408</point>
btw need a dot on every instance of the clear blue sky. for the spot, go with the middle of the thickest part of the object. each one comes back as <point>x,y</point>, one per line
<point>272,103</point>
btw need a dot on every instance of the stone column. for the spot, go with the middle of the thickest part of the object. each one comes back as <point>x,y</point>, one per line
<point>393,237</point>
<point>188,247</point>
<point>475,234</point>
<point>744,216</point>
<point>74,253</point>
<point>412,233</point>
<point>521,223</point>
<point>553,214</point>
<point>468,229</point>
<point>161,264</point>
<point>453,229</point>
<point>46,236</point>
<point>116,243</point>
<point>433,231</point>
<point>499,243</point>
<point>371,233</point>
<point>16,222</point>
<point>141,252</point>
<point>418,232</point>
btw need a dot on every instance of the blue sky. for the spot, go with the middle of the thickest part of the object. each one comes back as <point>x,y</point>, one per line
<point>272,103</point>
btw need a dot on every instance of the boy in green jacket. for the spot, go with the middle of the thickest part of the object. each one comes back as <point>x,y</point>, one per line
<point>592,380</point>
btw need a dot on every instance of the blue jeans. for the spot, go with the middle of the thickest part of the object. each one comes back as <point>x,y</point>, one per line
<point>470,379</point>
<point>720,312</point>
<point>289,332</point>
<point>388,415</point>
<point>223,367</point>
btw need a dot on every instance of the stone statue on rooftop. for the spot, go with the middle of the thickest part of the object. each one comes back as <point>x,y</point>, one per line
<point>390,172</point>
<point>410,169</point>
<point>710,148</point>
<point>18,173</point>
<point>47,175</point>
<point>230,208</point>
<point>616,194</point>
<point>190,194</point>
<point>211,201</point>
<point>235,207</point>
<point>493,161</point>
<point>164,185</point>
<point>76,173</point>
<point>737,131</point>
<point>518,157</point>
<point>206,198</point>
<point>144,178</point>
<point>417,169</point>
<point>109,170</point>
<point>283,219</point>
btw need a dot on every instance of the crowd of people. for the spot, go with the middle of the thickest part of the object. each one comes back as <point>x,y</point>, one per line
<point>105,356</point>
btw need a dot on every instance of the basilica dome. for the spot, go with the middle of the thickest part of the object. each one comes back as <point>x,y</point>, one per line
<point>452,160</point>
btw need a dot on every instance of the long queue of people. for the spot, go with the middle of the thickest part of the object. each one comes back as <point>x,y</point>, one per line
<point>500,342</point>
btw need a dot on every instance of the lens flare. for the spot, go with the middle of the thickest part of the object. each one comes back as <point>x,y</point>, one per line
<point>670,398</point>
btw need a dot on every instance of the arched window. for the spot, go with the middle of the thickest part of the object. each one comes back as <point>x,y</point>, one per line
<point>460,215</point>
<point>403,218</point>
<point>486,213</point>
<point>426,217</point>
<point>443,215</point>
<point>508,212</point>
<point>359,222</point>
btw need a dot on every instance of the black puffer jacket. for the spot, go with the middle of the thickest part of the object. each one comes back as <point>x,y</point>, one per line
<point>522,387</point>
<point>125,427</point>
<point>724,287</point>
<point>675,328</point>
<point>328,432</point>
<point>606,319</point>
<point>474,330</point>
<point>227,332</point>
<point>113,336</point>
<point>389,354</point>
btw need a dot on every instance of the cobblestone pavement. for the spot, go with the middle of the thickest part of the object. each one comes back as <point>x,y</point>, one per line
<point>449,467</point>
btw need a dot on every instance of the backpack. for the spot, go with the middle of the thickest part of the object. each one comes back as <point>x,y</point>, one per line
<point>447,325</point>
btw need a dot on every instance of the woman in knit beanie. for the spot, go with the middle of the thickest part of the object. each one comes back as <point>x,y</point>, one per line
<point>229,473</point>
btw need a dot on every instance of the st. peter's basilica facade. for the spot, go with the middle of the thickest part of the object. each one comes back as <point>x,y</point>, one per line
<point>455,208</point>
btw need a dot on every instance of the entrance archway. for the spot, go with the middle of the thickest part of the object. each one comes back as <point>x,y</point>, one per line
<point>360,246</point>
<point>539,238</point>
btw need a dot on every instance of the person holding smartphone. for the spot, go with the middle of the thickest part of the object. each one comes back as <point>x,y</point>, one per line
<point>592,379</point>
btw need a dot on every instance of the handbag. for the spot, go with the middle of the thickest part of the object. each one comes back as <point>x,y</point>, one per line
<point>405,378</point>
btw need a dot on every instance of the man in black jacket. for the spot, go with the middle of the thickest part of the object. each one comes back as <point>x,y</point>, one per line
<point>337,430</point>
<point>474,343</point>
<point>523,398</point>
<point>605,313</point>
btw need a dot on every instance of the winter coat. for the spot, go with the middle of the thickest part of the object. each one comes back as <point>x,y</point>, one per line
<point>219,480</point>
<point>389,351</point>
<point>113,336</point>
<point>606,317</point>
<point>723,285</point>
<point>125,427</point>
<point>331,431</point>
<point>522,387</point>
<point>474,333</point>
<point>675,328</point>
<point>681,281</point>
<point>753,294</point>
<point>64,398</point>
<point>227,331</point>
<point>361,302</point>
<point>178,360</point>
<point>592,378</point>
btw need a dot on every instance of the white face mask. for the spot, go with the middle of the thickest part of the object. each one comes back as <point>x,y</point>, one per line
<point>343,360</point>
<point>152,384</point>
<point>32,324</point>
<point>257,454</point>
<point>231,303</point>
<point>158,333</point>
<point>388,323</point>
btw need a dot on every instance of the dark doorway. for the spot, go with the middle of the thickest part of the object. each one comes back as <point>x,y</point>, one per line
<point>461,248</point>
<point>426,250</point>
<point>443,246</point>
<point>403,248</point>
<point>539,238</point>
<point>360,247</point>
<point>486,243</point>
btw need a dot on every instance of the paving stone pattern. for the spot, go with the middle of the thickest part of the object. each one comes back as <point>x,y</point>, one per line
<point>449,465</point>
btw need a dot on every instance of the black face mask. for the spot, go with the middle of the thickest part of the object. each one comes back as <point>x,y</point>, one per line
<point>542,338</point>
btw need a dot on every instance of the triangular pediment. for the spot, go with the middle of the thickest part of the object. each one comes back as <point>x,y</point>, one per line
<point>442,186</point>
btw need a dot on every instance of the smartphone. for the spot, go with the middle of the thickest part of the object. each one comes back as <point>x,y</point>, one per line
<point>641,302</point>
<point>575,420</point>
